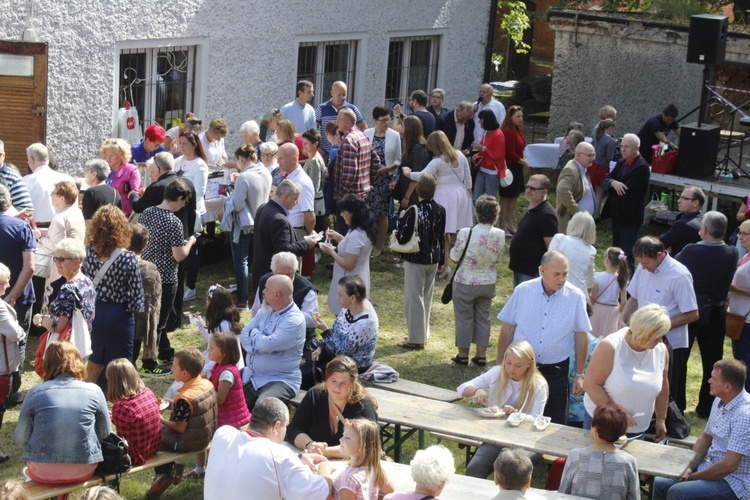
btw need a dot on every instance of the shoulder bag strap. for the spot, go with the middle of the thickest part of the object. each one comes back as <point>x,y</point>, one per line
<point>105,267</point>
<point>605,288</point>
<point>458,264</point>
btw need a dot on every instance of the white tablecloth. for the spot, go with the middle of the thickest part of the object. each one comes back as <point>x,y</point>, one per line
<point>542,155</point>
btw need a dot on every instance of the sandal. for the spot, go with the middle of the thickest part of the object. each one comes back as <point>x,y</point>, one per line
<point>479,361</point>
<point>460,360</point>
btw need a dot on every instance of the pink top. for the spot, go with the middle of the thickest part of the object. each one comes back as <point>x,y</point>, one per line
<point>358,481</point>
<point>126,175</point>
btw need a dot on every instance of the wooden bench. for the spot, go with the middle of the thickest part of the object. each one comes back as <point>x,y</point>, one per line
<point>419,389</point>
<point>38,491</point>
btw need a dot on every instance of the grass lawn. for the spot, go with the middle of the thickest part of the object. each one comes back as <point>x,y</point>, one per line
<point>432,365</point>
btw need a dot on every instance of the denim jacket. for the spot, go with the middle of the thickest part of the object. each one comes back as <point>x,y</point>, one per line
<point>62,421</point>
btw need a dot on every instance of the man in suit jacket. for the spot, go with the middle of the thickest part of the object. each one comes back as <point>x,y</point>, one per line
<point>574,190</point>
<point>627,185</point>
<point>163,169</point>
<point>458,125</point>
<point>274,233</point>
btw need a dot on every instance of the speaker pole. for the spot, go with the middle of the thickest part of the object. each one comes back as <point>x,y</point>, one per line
<point>704,96</point>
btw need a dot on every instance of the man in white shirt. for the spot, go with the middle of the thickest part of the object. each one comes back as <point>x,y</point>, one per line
<point>660,279</point>
<point>299,112</point>
<point>302,216</point>
<point>41,182</point>
<point>550,314</point>
<point>254,463</point>
<point>486,101</point>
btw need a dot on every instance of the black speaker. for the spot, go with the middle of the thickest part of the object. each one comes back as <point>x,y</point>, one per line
<point>707,40</point>
<point>699,146</point>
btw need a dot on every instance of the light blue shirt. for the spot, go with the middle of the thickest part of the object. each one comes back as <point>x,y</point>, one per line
<point>729,428</point>
<point>671,286</point>
<point>274,341</point>
<point>547,322</point>
<point>587,203</point>
<point>302,117</point>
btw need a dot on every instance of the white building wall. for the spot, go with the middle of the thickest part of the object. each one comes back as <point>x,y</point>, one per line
<point>247,55</point>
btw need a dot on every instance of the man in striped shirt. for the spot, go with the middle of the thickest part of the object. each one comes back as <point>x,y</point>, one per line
<point>19,193</point>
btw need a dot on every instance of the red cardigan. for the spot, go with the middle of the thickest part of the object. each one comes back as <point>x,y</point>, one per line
<point>493,157</point>
<point>514,145</point>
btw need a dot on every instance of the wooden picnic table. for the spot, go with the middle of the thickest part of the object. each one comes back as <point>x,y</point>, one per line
<point>404,386</point>
<point>420,414</point>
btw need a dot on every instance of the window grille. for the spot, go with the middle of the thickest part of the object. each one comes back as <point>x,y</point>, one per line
<point>159,82</point>
<point>412,65</point>
<point>326,62</point>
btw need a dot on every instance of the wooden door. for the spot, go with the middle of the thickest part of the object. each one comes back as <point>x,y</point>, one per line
<point>23,98</point>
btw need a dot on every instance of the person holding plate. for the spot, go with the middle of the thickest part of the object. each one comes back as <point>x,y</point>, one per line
<point>513,386</point>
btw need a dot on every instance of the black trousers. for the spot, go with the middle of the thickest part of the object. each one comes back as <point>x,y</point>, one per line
<point>556,375</point>
<point>711,344</point>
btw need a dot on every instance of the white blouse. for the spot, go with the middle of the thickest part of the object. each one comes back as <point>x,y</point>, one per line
<point>509,396</point>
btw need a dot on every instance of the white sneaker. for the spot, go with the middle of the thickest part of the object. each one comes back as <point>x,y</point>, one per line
<point>189,294</point>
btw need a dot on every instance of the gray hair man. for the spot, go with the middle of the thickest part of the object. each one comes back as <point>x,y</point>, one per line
<point>627,185</point>
<point>458,126</point>
<point>256,461</point>
<point>41,182</point>
<point>98,193</point>
<point>513,470</point>
<point>712,264</point>
<point>486,101</point>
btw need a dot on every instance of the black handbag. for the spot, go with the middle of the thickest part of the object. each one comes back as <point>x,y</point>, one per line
<point>447,295</point>
<point>116,458</point>
<point>677,426</point>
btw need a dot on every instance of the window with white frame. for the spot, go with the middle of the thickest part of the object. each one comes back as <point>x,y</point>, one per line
<point>159,82</point>
<point>412,65</point>
<point>326,62</point>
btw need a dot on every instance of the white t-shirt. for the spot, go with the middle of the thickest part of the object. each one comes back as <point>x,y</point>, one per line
<point>580,256</point>
<point>488,381</point>
<point>306,202</point>
<point>214,151</point>
<point>242,466</point>
<point>196,171</point>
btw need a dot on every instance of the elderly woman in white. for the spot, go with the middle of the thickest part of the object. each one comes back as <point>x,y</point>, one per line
<point>430,470</point>
<point>578,246</point>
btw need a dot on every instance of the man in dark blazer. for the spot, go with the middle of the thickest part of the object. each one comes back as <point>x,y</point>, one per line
<point>460,118</point>
<point>627,185</point>
<point>154,194</point>
<point>274,232</point>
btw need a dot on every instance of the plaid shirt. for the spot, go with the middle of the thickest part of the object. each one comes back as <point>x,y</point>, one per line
<point>729,428</point>
<point>356,164</point>
<point>138,421</point>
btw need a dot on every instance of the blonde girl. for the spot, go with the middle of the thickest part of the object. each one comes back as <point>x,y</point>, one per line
<point>514,386</point>
<point>364,478</point>
<point>609,293</point>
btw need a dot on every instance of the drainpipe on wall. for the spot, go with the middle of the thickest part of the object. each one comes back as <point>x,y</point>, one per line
<point>490,41</point>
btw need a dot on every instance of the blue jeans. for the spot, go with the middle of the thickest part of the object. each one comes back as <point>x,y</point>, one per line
<point>277,390</point>
<point>741,349</point>
<point>486,184</point>
<point>519,278</point>
<point>672,489</point>
<point>241,256</point>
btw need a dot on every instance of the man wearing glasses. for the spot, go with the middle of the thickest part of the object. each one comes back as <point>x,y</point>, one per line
<point>574,190</point>
<point>535,231</point>
<point>686,229</point>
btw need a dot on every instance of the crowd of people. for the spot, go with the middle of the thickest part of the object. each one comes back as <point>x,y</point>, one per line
<point>118,259</point>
